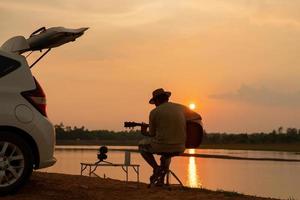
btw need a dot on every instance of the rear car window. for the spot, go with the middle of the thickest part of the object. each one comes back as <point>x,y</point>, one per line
<point>7,65</point>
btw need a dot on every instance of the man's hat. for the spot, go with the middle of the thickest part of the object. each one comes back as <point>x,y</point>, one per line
<point>158,92</point>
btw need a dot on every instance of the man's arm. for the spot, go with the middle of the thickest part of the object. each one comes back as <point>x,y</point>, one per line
<point>152,126</point>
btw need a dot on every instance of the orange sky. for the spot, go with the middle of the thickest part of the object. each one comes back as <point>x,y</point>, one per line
<point>236,59</point>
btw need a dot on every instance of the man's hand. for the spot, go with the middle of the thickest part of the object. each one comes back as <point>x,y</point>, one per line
<point>144,129</point>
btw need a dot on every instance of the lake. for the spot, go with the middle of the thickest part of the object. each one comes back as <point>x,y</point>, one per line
<point>261,178</point>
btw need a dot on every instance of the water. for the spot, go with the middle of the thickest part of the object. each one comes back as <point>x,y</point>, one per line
<point>261,178</point>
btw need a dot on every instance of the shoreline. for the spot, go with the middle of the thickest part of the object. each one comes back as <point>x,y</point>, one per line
<point>75,187</point>
<point>195,155</point>
<point>293,147</point>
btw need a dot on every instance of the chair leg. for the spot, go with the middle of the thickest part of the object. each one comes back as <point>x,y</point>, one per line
<point>168,178</point>
<point>166,175</point>
<point>176,177</point>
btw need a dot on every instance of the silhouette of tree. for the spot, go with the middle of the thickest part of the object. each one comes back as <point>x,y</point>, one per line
<point>280,129</point>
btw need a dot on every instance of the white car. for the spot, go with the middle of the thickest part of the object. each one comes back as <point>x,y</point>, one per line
<point>27,137</point>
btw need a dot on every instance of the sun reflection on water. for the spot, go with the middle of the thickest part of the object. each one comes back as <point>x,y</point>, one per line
<point>193,179</point>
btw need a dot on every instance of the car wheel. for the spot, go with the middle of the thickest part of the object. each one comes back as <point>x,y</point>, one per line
<point>16,162</point>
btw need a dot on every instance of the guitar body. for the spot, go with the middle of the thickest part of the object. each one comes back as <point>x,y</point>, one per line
<point>194,134</point>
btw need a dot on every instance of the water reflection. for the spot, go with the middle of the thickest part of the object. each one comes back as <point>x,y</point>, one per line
<point>269,179</point>
<point>193,178</point>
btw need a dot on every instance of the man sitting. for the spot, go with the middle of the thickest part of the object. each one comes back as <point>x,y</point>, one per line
<point>167,133</point>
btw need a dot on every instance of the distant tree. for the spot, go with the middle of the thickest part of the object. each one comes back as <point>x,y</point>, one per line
<point>68,128</point>
<point>291,131</point>
<point>59,128</point>
<point>280,129</point>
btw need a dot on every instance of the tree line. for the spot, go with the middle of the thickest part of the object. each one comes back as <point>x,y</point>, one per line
<point>290,135</point>
<point>81,133</point>
<point>281,135</point>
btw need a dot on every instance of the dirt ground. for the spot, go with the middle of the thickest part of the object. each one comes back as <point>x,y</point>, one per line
<point>51,186</point>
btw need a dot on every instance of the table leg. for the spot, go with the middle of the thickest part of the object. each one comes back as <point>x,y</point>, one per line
<point>90,171</point>
<point>83,167</point>
<point>126,173</point>
<point>138,174</point>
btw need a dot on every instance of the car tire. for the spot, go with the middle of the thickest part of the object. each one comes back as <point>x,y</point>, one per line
<point>16,162</point>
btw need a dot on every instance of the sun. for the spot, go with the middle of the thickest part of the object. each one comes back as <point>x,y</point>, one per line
<point>192,106</point>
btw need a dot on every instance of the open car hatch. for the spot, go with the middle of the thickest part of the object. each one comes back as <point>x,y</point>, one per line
<point>53,37</point>
<point>42,38</point>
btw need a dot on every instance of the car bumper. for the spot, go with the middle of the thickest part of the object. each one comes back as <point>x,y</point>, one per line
<point>44,135</point>
<point>47,163</point>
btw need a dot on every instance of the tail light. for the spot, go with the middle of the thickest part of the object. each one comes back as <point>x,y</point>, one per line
<point>37,98</point>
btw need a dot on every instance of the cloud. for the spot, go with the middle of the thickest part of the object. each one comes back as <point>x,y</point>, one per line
<point>261,96</point>
<point>87,6</point>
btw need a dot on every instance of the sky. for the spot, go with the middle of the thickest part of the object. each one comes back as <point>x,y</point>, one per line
<point>237,60</point>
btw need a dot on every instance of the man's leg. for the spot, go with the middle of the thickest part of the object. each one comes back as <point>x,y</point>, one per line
<point>165,161</point>
<point>148,156</point>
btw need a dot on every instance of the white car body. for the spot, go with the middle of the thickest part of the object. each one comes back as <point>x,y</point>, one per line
<point>26,134</point>
<point>17,113</point>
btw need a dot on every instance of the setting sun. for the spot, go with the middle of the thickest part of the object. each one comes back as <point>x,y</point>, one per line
<point>192,106</point>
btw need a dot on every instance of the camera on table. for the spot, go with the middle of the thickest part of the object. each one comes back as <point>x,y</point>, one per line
<point>102,153</point>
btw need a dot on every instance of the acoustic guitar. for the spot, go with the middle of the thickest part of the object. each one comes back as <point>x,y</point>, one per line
<point>194,132</point>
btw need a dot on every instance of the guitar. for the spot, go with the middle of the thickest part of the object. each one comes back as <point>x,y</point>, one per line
<point>134,124</point>
<point>194,132</point>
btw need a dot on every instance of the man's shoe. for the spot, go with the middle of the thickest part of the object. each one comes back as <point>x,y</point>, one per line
<point>155,175</point>
<point>158,177</point>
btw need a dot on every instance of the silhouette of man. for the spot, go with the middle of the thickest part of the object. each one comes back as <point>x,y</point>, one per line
<point>167,131</point>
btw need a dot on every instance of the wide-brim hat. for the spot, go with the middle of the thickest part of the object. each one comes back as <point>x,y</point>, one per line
<point>158,92</point>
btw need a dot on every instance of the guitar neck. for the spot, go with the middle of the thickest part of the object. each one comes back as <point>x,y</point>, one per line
<point>138,124</point>
<point>134,124</point>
